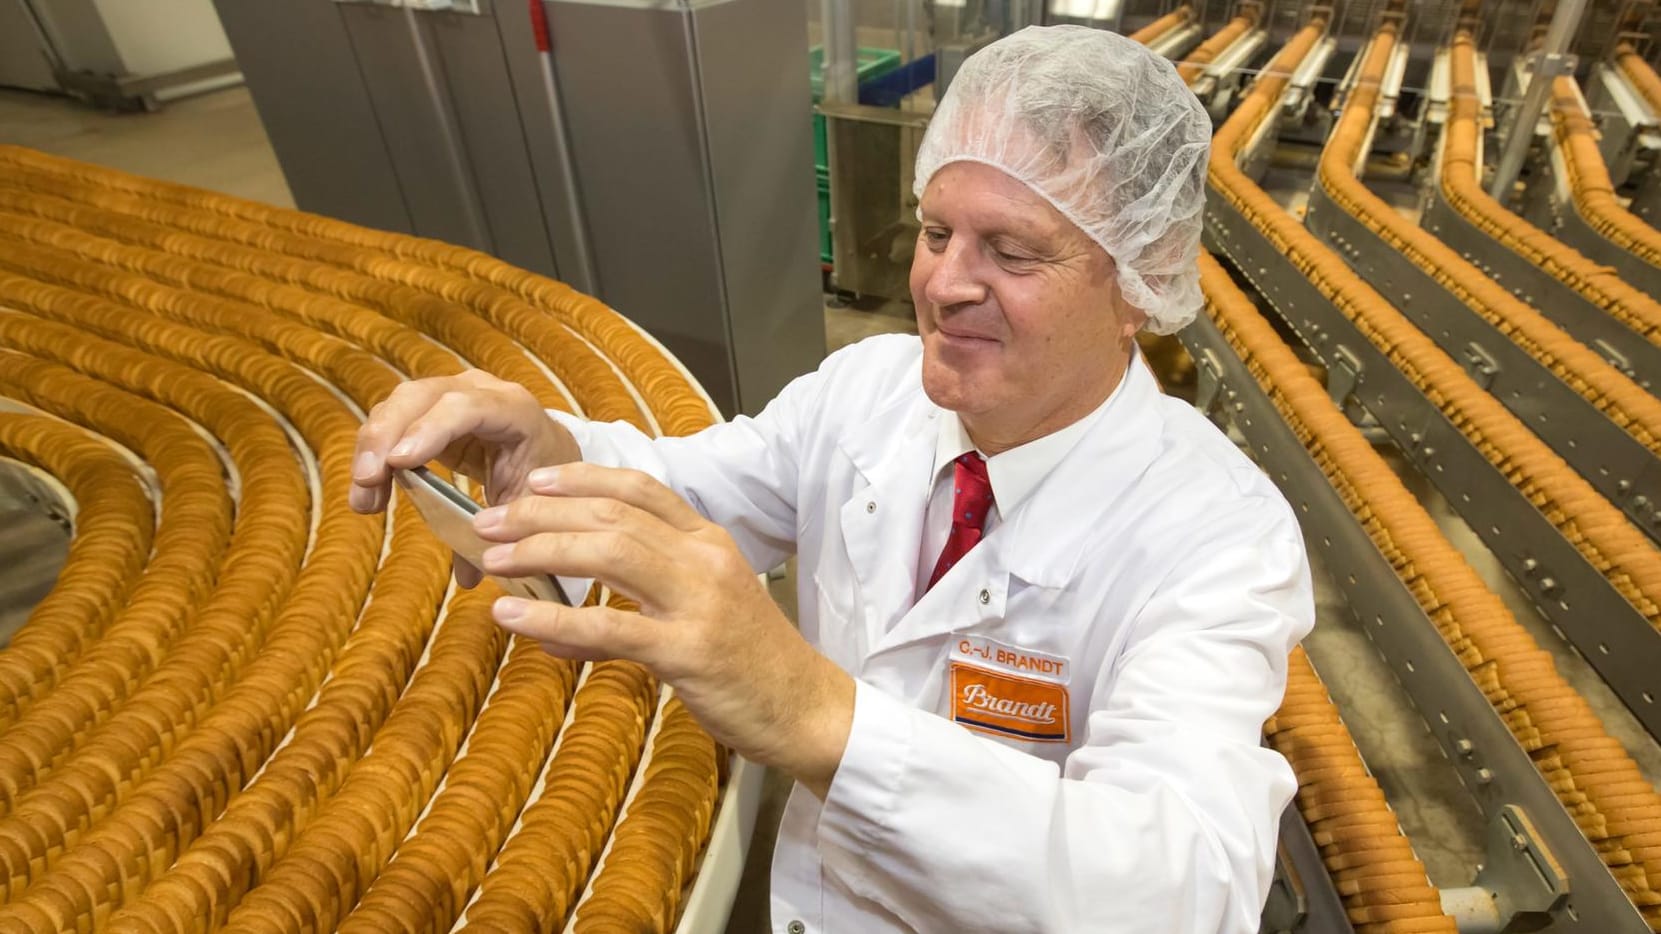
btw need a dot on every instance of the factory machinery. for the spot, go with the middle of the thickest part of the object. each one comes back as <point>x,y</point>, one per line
<point>244,707</point>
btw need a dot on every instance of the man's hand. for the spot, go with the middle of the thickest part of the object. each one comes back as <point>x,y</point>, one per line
<point>706,625</point>
<point>489,430</point>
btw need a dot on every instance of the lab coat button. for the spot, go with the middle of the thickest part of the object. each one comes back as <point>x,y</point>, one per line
<point>871,506</point>
<point>985,596</point>
<point>796,927</point>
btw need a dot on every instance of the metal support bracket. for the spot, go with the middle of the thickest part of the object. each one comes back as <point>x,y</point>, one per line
<point>1344,376</point>
<point>1526,879</point>
<point>1302,897</point>
<point>1208,390</point>
<point>1480,364</point>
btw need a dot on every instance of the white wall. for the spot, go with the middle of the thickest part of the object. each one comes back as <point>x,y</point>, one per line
<point>154,36</point>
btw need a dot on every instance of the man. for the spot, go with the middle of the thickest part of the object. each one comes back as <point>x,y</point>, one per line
<point>1044,610</point>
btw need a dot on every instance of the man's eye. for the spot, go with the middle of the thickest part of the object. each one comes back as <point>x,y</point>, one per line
<point>936,238</point>
<point>1007,257</point>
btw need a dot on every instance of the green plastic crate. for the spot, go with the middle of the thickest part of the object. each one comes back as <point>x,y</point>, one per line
<point>872,63</point>
<point>824,216</point>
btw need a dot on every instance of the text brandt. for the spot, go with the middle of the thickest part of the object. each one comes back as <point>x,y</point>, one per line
<point>977,697</point>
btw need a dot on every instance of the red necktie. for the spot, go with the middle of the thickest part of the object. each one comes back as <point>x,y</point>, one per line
<point>971,502</point>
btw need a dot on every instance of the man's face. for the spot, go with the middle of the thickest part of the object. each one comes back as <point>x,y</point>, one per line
<point>1023,328</point>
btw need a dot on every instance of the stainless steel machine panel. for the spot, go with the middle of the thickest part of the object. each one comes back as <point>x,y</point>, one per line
<point>691,140</point>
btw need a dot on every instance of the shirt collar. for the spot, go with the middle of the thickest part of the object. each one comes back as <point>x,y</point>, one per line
<point>1015,473</point>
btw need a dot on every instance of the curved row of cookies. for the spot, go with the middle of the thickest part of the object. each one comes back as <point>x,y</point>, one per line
<point>1461,169</point>
<point>541,871</point>
<point>1372,864</point>
<point>653,854</point>
<point>1591,188</point>
<point>240,582</point>
<point>190,533</point>
<point>437,867</point>
<point>165,284</point>
<point>1625,403</point>
<point>391,259</point>
<point>1589,771</point>
<point>250,651</point>
<point>115,527</point>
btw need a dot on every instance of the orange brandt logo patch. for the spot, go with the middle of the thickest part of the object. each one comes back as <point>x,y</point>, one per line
<point>1009,705</point>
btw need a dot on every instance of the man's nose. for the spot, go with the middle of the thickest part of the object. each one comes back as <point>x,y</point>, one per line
<point>955,278</point>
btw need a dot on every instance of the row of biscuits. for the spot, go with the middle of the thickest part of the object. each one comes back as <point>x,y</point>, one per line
<point>1461,186</point>
<point>1623,402</point>
<point>259,559</point>
<point>1588,770</point>
<point>1642,77</point>
<point>1164,24</point>
<point>548,857</point>
<point>1590,186</point>
<point>1381,881</point>
<point>437,867</point>
<point>1379,877</point>
<point>650,863</point>
<point>115,526</point>
<point>259,869</point>
<point>191,529</point>
<point>250,683</point>
<point>46,239</point>
<point>188,799</point>
<point>1191,67</point>
<point>674,401</point>
<point>125,219</point>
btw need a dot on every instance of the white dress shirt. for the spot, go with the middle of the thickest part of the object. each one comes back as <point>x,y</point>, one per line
<point>1013,474</point>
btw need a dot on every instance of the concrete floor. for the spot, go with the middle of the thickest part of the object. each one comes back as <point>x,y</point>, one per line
<point>216,141</point>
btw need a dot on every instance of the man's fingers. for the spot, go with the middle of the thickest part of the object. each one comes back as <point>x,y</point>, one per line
<point>640,490</point>
<point>382,430</point>
<point>529,515</point>
<point>629,567</point>
<point>589,633</point>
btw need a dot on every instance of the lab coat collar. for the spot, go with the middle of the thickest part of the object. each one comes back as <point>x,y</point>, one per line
<point>894,451</point>
<point>1015,473</point>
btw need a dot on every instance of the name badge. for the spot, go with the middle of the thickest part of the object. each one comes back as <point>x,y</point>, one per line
<point>1006,691</point>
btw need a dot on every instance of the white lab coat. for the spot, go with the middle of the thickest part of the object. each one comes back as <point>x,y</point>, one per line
<point>1155,559</point>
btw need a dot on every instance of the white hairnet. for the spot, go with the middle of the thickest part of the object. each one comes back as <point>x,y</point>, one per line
<point>1104,130</point>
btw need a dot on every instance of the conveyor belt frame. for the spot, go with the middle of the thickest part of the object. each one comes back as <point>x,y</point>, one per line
<point>1302,897</point>
<point>1492,767</point>
<point>1580,603</point>
<point>1623,348</point>
<point>1557,214</point>
<point>1614,462</point>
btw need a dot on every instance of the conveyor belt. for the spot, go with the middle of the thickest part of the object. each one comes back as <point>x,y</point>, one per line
<point>306,734</point>
<point>1602,423</point>
<point>1595,221</point>
<point>1589,571</point>
<point>1476,631</point>
<point>1190,68</point>
<point>1359,844</point>
<point>1585,298</point>
<point>1644,79</point>
<point>1175,19</point>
